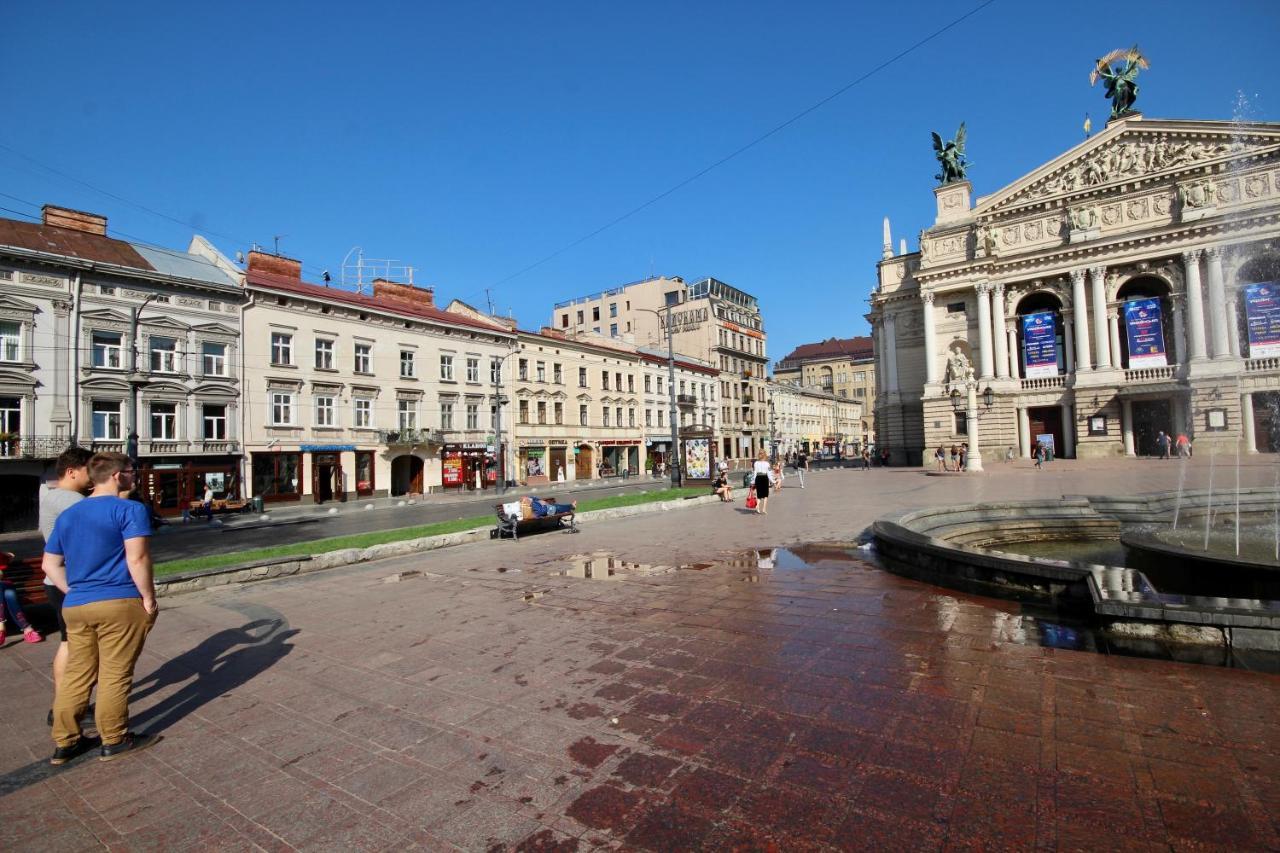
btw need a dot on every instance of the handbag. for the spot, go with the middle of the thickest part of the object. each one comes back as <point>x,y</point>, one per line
<point>751,498</point>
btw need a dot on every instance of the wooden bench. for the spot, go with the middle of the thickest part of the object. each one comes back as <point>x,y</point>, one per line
<point>220,505</point>
<point>513,527</point>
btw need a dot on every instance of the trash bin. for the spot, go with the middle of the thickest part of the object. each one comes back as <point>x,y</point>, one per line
<point>257,504</point>
<point>747,479</point>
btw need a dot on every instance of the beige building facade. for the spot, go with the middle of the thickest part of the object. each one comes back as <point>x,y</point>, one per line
<point>843,367</point>
<point>351,396</point>
<point>1117,292</point>
<point>712,323</point>
<point>809,420</point>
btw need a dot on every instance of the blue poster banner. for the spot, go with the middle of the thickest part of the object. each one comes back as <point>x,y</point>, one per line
<point>1145,333</point>
<point>1262,308</point>
<point>1039,345</point>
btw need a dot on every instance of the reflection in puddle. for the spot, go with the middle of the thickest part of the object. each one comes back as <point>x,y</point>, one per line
<point>601,565</point>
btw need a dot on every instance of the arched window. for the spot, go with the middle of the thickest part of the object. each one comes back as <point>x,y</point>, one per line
<point>1041,303</point>
<point>1134,298</point>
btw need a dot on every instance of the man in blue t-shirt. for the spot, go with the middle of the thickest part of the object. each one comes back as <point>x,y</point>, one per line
<point>99,554</point>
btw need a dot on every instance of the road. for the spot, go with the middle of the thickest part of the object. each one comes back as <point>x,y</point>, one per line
<point>299,524</point>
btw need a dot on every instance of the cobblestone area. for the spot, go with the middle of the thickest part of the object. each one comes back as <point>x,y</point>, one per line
<point>490,697</point>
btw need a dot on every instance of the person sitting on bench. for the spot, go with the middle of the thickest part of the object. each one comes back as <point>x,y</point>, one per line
<point>542,508</point>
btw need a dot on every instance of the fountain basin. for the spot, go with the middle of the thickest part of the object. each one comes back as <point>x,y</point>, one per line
<point>962,546</point>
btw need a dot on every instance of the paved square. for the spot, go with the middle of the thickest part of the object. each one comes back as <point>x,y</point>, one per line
<point>491,697</point>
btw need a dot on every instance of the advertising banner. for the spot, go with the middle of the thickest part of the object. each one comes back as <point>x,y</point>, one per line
<point>697,459</point>
<point>451,472</point>
<point>1262,308</point>
<point>1146,334</point>
<point>1039,345</point>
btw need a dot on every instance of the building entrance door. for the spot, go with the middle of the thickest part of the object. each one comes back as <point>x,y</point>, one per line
<point>1266,421</point>
<point>584,466</point>
<point>1150,417</point>
<point>326,478</point>
<point>1046,420</point>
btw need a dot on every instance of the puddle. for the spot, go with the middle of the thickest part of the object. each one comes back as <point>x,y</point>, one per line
<point>601,565</point>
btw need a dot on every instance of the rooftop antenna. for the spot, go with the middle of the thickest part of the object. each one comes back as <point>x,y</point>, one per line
<point>489,300</point>
<point>277,237</point>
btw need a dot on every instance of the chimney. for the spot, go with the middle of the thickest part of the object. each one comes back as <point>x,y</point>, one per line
<point>419,297</point>
<point>76,220</point>
<point>265,262</point>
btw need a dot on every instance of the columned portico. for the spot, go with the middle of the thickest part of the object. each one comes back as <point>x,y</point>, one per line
<point>1080,315</point>
<point>1012,352</point>
<point>1179,332</point>
<point>1068,343</point>
<point>1217,303</point>
<point>890,350</point>
<point>1102,339</point>
<point>1113,328</point>
<point>930,339</point>
<point>984,329</point>
<point>1246,419</point>
<point>1195,304</point>
<point>1024,433</point>
<point>1126,425</point>
<point>1001,339</point>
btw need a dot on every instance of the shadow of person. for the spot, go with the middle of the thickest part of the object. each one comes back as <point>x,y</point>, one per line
<point>220,663</point>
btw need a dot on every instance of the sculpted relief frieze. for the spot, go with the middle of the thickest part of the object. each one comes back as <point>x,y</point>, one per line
<point>1126,160</point>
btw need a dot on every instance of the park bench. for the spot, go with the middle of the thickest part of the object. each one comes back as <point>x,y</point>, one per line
<point>529,523</point>
<point>220,505</point>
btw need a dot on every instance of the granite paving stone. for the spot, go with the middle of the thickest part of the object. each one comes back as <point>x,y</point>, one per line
<point>727,705</point>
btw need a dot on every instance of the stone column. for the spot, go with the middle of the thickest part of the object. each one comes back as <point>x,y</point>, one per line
<point>1068,431</point>
<point>1233,325</point>
<point>930,339</point>
<point>1126,426</point>
<point>1098,275</point>
<point>984,330</point>
<point>1068,342</point>
<point>1179,333</point>
<point>1011,351</point>
<point>1217,303</point>
<point>998,330</point>
<point>973,459</point>
<point>1024,433</point>
<point>1195,304</point>
<point>1079,312</point>
<point>891,352</point>
<point>1246,420</point>
<point>60,415</point>
<point>1113,326</point>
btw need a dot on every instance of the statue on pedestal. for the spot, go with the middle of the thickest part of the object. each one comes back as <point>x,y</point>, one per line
<point>951,156</point>
<point>1121,80</point>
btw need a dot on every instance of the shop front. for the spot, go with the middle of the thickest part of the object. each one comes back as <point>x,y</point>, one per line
<point>618,456</point>
<point>468,466</point>
<point>584,464</point>
<point>532,464</point>
<point>172,483</point>
<point>277,476</point>
<point>657,456</point>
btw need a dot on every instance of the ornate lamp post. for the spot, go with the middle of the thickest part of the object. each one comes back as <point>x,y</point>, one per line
<point>973,459</point>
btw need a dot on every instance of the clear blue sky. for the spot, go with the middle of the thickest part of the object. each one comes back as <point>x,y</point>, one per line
<point>474,139</point>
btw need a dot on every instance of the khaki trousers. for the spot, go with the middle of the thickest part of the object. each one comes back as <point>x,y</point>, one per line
<point>104,639</point>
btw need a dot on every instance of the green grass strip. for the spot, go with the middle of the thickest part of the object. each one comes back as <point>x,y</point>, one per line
<point>399,534</point>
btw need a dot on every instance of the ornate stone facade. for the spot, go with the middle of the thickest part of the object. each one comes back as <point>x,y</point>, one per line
<point>1182,212</point>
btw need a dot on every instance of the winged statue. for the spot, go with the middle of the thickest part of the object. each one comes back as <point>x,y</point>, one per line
<point>951,156</point>
<point>1119,70</point>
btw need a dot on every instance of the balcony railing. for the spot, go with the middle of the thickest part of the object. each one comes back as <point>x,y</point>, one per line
<point>1150,374</point>
<point>1044,382</point>
<point>33,447</point>
<point>1262,365</point>
<point>748,399</point>
<point>686,400</point>
<point>408,436</point>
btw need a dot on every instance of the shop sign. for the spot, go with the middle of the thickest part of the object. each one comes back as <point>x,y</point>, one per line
<point>325,448</point>
<point>1262,309</point>
<point>1146,336</point>
<point>1039,345</point>
<point>684,321</point>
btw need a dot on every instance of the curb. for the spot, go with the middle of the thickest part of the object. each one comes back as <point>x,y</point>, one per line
<point>280,567</point>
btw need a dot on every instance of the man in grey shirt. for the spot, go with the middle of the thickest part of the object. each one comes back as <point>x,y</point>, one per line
<point>73,482</point>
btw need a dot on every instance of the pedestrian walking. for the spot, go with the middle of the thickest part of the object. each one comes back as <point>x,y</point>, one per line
<point>99,555</point>
<point>206,502</point>
<point>9,603</point>
<point>763,472</point>
<point>72,470</point>
<point>1162,442</point>
<point>1039,455</point>
<point>953,460</point>
<point>964,451</point>
<point>866,459</point>
<point>1008,454</point>
<point>1183,445</point>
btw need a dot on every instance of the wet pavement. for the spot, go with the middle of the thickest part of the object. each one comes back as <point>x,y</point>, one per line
<point>699,690</point>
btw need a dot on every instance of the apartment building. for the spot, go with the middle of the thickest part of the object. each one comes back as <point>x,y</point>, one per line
<point>350,395</point>
<point>844,367</point>
<point>809,420</point>
<point>116,345</point>
<point>711,322</point>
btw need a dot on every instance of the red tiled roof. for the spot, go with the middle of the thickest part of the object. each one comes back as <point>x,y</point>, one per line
<point>346,297</point>
<point>855,348</point>
<point>69,242</point>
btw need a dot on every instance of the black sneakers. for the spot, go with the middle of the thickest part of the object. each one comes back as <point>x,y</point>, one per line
<point>132,743</point>
<point>63,754</point>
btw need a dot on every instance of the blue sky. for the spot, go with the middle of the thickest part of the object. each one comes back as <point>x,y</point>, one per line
<point>472,140</point>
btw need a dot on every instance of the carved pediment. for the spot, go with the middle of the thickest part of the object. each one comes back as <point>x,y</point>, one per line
<point>11,307</point>
<point>104,315</point>
<point>151,321</point>
<point>215,329</point>
<point>1135,151</point>
<point>13,378</point>
<point>106,383</point>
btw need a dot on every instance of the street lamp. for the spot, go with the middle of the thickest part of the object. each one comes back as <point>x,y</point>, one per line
<point>132,441</point>
<point>677,470</point>
<point>498,401</point>
<point>973,459</point>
